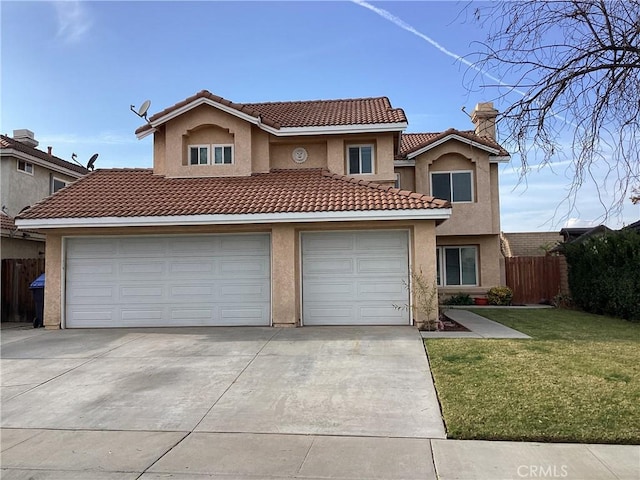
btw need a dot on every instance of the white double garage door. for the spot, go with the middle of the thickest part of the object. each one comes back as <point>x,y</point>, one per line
<point>348,278</point>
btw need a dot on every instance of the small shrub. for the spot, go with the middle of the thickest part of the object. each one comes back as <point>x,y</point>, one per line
<point>425,304</point>
<point>459,299</point>
<point>499,296</point>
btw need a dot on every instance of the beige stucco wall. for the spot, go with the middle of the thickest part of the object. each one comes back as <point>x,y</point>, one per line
<point>256,151</point>
<point>407,178</point>
<point>21,248</point>
<point>19,189</point>
<point>52,287</point>
<point>219,125</point>
<point>285,258</point>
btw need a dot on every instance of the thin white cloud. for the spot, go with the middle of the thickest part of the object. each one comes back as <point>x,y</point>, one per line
<point>73,20</point>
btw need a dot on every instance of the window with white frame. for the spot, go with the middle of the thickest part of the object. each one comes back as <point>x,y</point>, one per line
<point>199,155</point>
<point>457,266</point>
<point>210,154</point>
<point>397,182</point>
<point>223,154</point>
<point>57,184</point>
<point>452,186</point>
<point>360,159</point>
<point>26,167</point>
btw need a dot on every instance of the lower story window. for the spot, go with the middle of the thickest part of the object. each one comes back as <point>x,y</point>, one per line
<point>457,266</point>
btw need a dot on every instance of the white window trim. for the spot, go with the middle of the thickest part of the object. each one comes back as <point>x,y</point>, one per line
<point>450,172</point>
<point>25,166</point>
<point>397,184</point>
<point>222,145</point>
<point>443,274</point>
<point>53,181</point>
<point>373,158</point>
<point>208,147</point>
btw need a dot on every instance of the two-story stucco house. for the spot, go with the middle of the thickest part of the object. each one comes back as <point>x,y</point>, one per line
<point>27,175</point>
<point>281,214</point>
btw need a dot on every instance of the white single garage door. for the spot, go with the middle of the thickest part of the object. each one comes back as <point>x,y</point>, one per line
<point>168,281</point>
<point>355,278</point>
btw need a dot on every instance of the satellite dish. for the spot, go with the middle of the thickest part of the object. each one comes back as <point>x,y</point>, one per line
<point>92,160</point>
<point>143,108</point>
<point>142,111</point>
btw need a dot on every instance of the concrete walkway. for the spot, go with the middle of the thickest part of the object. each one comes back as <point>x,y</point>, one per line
<point>480,327</point>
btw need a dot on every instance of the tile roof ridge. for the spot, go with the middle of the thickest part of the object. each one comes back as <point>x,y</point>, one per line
<point>322,100</point>
<point>387,188</point>
<point>41,154</point>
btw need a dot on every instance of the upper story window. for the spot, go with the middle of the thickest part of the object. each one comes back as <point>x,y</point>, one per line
<point>452,186</point>
<point>397,182</point>
<point>25,167</point>
<point>223,154</point>
<point>202,154</point>
<point>360,159</point>
<point>57,184</point>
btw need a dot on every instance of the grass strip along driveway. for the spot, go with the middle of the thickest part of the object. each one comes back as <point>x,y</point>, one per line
<point>577,380</point>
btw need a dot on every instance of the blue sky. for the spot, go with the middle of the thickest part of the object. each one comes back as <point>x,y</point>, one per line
<point>70,70</point>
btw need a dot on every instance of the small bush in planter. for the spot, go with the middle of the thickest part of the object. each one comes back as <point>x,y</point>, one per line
<point>459,299</point>
<point>499,296</point>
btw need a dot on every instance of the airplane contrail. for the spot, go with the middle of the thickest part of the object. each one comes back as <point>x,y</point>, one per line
<point>405,26</point>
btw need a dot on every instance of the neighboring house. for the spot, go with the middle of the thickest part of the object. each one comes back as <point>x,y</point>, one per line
<point>27,175</point>
<point>280,214</point>
<point>529,244</point>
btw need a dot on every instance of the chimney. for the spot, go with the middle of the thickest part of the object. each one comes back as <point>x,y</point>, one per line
<point>50,150</point>
<point>484,118</point>
<point>25,136</point>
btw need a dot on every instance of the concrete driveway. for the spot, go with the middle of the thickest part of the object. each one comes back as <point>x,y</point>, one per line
<point>326,402</point>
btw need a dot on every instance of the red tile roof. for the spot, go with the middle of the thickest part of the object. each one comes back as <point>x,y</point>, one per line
<point>412,142</point>
<point>311,113</point>
<point>138,192</point>
<point>8,142</point>
<point>6,222</point>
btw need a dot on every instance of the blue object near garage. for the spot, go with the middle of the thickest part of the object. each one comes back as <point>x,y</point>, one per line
<point>37,289</point>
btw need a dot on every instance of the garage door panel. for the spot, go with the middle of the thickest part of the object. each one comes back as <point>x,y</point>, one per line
<point>326,243</point>
<point>246,292</point>
<point>142,247</point>
<point>380,241</point>
<point>141,268</point>
<point>93,248</point>
<point>315,265</point>
<point>233,315</point>
<point>83,294</point>
<point>329,315</point>
<point>187,268</point>
<point>188,293</point>
<point>245,245</point>
<point>183,280</point>
<point>352,278</point>
<point>382,266</point>
<point>84,271</point>
<point>246,266</point>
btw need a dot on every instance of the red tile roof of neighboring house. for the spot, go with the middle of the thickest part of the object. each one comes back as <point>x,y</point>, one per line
<point>311,113</point>
<point>8,142</point>
<point>412,142</point>
<point>6,222</point>
<point>138,192</point>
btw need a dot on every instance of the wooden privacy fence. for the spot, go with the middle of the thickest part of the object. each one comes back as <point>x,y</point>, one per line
<point>533,279</point>
<point>17,299</point>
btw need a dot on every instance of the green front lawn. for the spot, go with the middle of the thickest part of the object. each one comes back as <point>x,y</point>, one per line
<point>577,380</point>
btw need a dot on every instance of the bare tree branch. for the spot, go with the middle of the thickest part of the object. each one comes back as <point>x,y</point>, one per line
<point>575,66</point>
